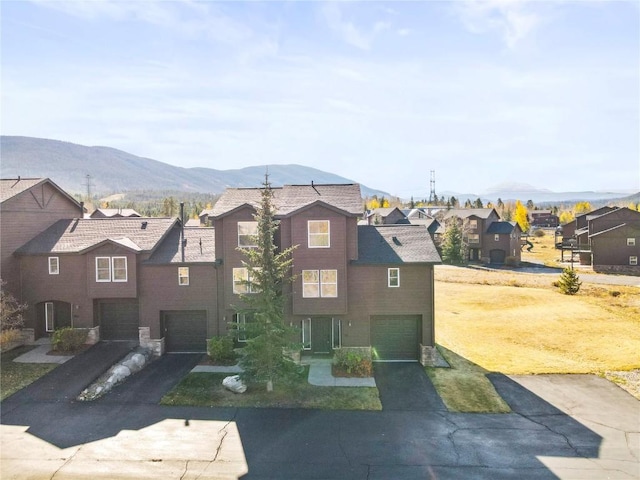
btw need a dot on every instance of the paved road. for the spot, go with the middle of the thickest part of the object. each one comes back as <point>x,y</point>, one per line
<point>568,427</point>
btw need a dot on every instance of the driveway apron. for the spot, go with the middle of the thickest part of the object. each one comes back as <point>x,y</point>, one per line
<point>151,383</point>
<point>64,383</point>
<point>405,386</point>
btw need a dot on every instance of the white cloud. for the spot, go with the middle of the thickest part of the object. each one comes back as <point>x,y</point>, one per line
<point>514,20</point>
<point>361,38</point>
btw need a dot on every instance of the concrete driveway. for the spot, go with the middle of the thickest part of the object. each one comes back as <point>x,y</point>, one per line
<point>568,427</point>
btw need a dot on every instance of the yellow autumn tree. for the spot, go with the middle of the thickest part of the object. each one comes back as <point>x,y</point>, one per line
<point>521,216</point>
<point>581,207</point>
<point>566,216</point>
<point>373,203</point>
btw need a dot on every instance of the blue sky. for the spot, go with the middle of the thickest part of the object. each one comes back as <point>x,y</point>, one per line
<point>483,92</point>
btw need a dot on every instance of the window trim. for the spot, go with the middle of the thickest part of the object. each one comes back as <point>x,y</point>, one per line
<point>182,276</point>
<point>56,270</point>
<point>311,235</point>
<point>391,277</point>
<point>496,237</point>
<point>319,284</point>
<point>473,238</point>
<point>103,269</point>
<point>633,260</point>
<point>306,342</point>
<point>113,270</point>
<point>246,235</point>
<point>336,327</point>
<point>473,223</point>
<point>49,317</point>
<point>631,241</point>
<point>245,282</point>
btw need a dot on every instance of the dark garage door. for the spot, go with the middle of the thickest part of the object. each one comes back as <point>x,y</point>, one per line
<point>185,331</point>
<point>497,256</point>
<point>119,320</point>
<point>395,337</point>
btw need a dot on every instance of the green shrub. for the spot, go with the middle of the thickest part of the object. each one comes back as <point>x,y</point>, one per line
<point>68,339</point>
<point>220,350</point>
<point>569,282</point>
<point>354,363</point>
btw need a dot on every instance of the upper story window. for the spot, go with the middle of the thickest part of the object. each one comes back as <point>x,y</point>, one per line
<point>183,276</point>
<point>242,281</point>
<point>473,223</point>
<point>473,238</point>
<point>631,242</point>
<point>247,233</point>
<point>319,283</point>
<point>111,269</point>
<point>496,237</point>
<point>393,277</point>
<point>318,233</point>
<point>54,265</point>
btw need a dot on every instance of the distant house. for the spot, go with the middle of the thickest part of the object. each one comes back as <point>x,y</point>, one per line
<point>27,207</point>
<point>206,219</point>
<point>114,212</point>
<point>488,239</point>
<point>386,216</point>
<point>614,238</point>
<point>544,218</point>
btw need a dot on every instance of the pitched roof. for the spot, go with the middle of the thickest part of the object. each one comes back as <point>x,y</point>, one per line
<point>290,198</point>
<point>79,235</point>
<point>115,212</point>
<point>199,247</point>
<point>10,187</point>
<point>502,227</point>
<point>395,244</point>
<point>469,212</point>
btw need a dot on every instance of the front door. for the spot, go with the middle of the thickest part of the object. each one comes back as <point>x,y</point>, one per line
<point>321,335</point>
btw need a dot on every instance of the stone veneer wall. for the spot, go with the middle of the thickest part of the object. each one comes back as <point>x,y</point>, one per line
<point>620,269</point>
<point>93,335</point>
<point>431,357</point>
<point>156,345</point>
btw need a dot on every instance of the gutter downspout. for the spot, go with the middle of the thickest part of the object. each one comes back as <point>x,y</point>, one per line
<point>182,241</point>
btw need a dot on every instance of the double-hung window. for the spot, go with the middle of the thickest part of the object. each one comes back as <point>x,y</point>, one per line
<point>242,281</point>
<point>111,269</point>
<point>247,234</point>
<point>393,277</point>
<point>631,242</point>
<point>183,276</point>
<point>633,260</point>
<point>319,283</point>
<point>54,265</point>
<point>319,233</point>
<point>473,238</point>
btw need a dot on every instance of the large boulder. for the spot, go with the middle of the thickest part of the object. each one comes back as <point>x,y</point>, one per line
<point>234,384</point>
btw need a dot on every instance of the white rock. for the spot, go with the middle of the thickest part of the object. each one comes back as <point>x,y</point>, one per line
<point>234,383</point>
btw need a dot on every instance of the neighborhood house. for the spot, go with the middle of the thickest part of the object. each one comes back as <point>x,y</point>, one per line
<point>171,287</point>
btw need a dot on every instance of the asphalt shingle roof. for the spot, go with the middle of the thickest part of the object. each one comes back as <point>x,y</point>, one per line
<point>395,244</point>
<point>289,198</point>
<point>468,212</point>
<point>10,187</point>
<point>78,235</point>
<point>501,227</point>
<point>200,247</point>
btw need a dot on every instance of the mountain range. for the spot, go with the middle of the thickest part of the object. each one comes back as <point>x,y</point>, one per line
<point>113,171</point>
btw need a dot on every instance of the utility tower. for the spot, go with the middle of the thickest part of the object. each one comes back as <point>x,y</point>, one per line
<point>89,185</point>
<point>432,184</point>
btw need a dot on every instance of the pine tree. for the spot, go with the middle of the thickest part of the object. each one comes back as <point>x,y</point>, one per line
<point>569,282</point>
<point>269,339</point>
<point>452,246</point>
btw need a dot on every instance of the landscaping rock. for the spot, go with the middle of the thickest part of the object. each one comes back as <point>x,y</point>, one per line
<point>234,384</point>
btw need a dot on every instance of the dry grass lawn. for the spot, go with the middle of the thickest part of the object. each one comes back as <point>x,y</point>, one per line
<point>519,324</point>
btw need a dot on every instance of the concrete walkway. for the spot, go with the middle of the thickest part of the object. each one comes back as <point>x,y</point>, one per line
<point>39,354</point>
<point>319,374</point>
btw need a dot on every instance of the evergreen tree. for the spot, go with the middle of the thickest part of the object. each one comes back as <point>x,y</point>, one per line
<point>269,339</point>
<point>478,203</point>
<point>569,282</point>
<point>452,245</point>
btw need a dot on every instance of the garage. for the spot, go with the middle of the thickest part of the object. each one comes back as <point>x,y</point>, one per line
<point>185,331</point>
<point>497,256</point>
<point>395,337</point>
<point>119,320</point>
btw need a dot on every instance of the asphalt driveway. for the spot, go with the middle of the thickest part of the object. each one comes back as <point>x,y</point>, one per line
<point>562,426</point>
<point>404,386</point>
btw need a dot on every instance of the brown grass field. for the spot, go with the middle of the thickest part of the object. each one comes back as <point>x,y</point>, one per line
<point>518,323</point>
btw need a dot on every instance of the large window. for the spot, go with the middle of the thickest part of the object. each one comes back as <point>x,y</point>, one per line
<point>318,233</point>
<point>111,269</point>
<point>393,277</point>
<point>247,232</point>
<point>473,224</point>
<point>183,276</point>
<point>242,282</point>
<point>319,283</point>
<point>54,265</point>
<point>473,238</point>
